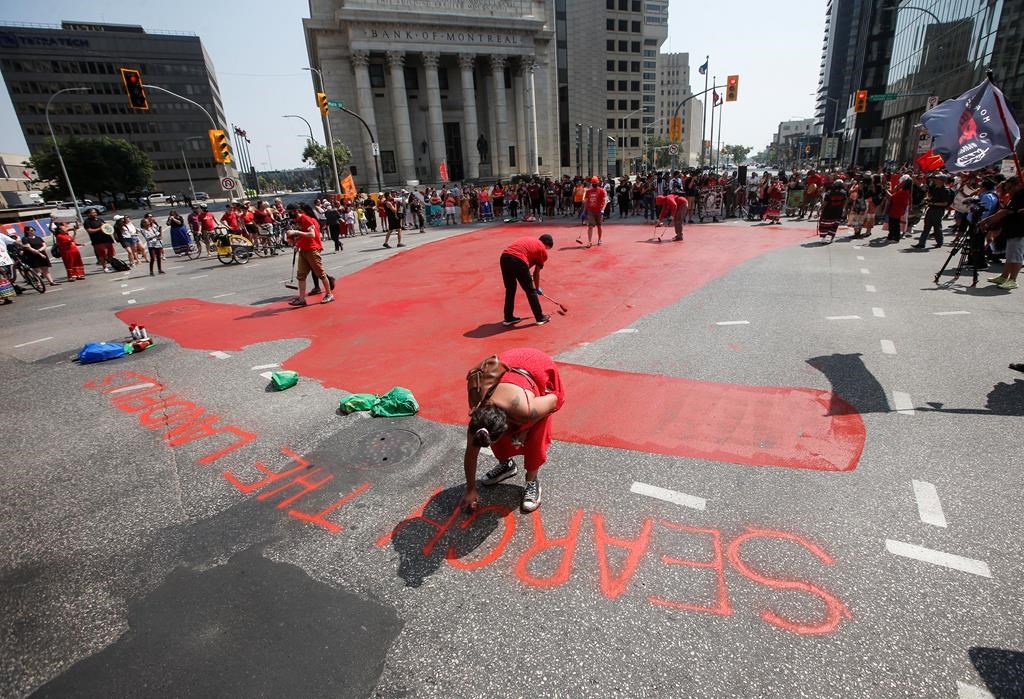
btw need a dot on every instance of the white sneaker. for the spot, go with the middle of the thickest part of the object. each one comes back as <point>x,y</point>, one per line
<point>107,269</point>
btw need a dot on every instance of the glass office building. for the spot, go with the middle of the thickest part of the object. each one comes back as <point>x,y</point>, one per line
<point>941,48</point>
<point>38,60</point>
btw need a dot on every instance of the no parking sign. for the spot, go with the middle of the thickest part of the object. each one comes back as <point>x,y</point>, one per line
<point>228,183</point>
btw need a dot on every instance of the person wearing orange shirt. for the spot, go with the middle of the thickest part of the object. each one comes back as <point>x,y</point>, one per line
<point>594,202</point>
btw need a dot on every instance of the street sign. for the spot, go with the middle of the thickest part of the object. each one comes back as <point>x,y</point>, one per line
<point>883,97</point>
<point>830,148</point>
<point>336,104</point>
<point>228,183</point>
<point>933,102</point>
<point>673,149</point>
<point>924,142</point>
<point>375,148</point>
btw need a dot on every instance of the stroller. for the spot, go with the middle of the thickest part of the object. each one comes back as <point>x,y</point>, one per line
<point>435,212</point>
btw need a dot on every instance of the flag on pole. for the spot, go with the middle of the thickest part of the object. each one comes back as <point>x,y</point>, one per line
<point>929,161</point>
<point>348,186</point>
<point>27,174</point>
<point>443,169</point>
<point>969,131</point>
<point>703,70</point>
<point>716,98</point>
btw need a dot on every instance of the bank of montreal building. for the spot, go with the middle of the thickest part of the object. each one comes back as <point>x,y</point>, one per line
<point>39,60</point>
<point>424,74</point>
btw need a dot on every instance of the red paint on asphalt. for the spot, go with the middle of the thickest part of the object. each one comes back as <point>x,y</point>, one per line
<point>422,317</point>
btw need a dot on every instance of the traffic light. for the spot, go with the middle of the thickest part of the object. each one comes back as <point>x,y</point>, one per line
<point>132,80</point>
<point>321,101</point>
<point>732,88</point>
<point>860,102</point>
<point>675,129</point>
<point>220,146</point>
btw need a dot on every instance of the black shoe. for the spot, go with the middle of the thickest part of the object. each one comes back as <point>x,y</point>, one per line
<point>386,245</point>
<point>919,247</point>
<point>316,290</point>
<point>511,321</point>
<point>543,319</point>
<point>502,472</point>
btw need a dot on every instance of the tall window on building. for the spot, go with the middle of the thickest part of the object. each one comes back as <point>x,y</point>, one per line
<point>376,75</point>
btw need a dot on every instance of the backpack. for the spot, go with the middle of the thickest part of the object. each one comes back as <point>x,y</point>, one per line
<point>483,379</point>
<point>118,265</point>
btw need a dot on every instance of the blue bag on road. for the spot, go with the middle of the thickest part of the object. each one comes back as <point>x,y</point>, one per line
<point>94,352</point>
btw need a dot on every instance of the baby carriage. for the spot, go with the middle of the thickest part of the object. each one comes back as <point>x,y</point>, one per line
<point>436,214</point>
<point>486,211</point>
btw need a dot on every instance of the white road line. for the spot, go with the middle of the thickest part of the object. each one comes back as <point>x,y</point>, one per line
<point>217,354</point>
<point>267,374</point>
<point>285,281</point>
<point>938,558</point>
<point>860,257</point>
<point>124,286</point>
<point>929,507</point>
<point>26,344</point>
<point>199,276</point>
<point>953,313</point>
<point>133,387</point>
<point>264,366</point>
<point>888,347</point>
<point>54,289</point>
<point>969,691</point>
<point>47,308</point>
<point>733,322</point>
<point>626,331</point>
<point>674,496</point>
<point>878,312</point>
<point>132,291</point>
<point>903,403</point>
<point>842,317</point>
<point>220,296</point>
<point>174,267</point>
<point>865,270</point>
<point>335,267</point>
<point>131,300</point>
<point>870,288</point>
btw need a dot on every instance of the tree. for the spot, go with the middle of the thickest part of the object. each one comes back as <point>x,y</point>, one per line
<point>737,153</point>
<point>320,156</point>
<point>97,166</point>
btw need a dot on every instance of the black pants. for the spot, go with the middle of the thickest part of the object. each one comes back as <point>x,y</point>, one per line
<point>932,223</point>
<point>894,229</point>
<point>335,231</point>
<point>515,271</point>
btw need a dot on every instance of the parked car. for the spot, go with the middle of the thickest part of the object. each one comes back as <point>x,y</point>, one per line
<point>202,196</point>
<point>159,198</point>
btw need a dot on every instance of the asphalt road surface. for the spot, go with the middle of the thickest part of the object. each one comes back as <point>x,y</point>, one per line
<point>783,470</point>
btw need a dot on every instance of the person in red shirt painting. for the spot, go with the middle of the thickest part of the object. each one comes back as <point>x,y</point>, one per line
<point>594,202</point>
<point>675,207</point>
<point>306,239</point>
<point>516,261</point>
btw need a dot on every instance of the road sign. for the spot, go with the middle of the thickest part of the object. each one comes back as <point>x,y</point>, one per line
<point>673,149</point>
<point>933,102</point>
<point>228,183</point>
<point>883,97</point>
<point>336,104</point>
<point>830,147</point>
<point>376,148</point>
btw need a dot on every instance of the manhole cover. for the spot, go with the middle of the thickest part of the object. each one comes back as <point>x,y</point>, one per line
<point>385,448</point>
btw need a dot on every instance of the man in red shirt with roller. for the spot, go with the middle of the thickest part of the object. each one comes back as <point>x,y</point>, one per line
<point>674,206</point>
<point>516,261</point>
<point>594,202</point>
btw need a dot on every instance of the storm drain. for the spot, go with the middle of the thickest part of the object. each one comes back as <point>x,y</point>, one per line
<point>385,448</point>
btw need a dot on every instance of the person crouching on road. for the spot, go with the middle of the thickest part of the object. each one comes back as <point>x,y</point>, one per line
<point>675,207</point>
<point>516,261</point>
<point>306,239</point>
<point>515,421</point>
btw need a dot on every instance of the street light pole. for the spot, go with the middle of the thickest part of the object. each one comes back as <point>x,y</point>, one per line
<point>330,135</point>
<point>622,128</point>
<point>320,171</point>
<point>188,172</point>
<point>56,146</point>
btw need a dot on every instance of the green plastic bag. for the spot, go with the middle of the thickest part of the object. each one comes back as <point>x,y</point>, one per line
<point>357,402</point>
<point>398,402</point>
<point>281,380</point>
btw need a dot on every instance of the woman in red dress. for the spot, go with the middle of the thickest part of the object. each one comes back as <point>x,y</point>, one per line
<point>69,254</point>
<point>776,200</point>
<point>515,421</point>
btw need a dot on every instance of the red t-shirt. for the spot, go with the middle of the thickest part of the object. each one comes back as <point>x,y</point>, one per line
<point>306,223</point>
<point>667,205</point>
<point>595,199</point>
<point>263,216</point>
<point>207,222</point>
<point>529,250</point>
<point>230,218</point>
<point>899,202</point>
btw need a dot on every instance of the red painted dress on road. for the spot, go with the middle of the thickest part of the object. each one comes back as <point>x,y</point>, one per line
<point>530,441</point>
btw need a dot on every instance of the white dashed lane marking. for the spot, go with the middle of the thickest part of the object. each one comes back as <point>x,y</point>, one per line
<point>626,331</point>
<point>929,507</point>
<point>888,347</point>
<point>264,366</point>
<point>33,342</point>
<point>903,403</point>
<point>860,257</point>
<point>878,312</point>
<point>953,313</point>
<point>865,270</point>
<point>133,387</point>
<point>842,317</point>
<point>733,322</point>
<point>870,288</point>
<point>938,558</point>
<point>217,354</point>
<point>47,308</point>
<point>199,276</point>
<point>673,496</point>
<point>969,691</point>
<point>267,375</point>
<point>220,296</point>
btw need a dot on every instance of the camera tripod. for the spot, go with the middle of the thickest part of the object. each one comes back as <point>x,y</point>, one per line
<point>969,243</point>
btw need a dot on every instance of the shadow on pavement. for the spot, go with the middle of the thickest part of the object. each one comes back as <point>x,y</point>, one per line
<point>852,384</point>
<point>1001,669</point>
<point>272,299</point>
<point>491,329</point>
<point>416,541</point>
<point>1005,399</point>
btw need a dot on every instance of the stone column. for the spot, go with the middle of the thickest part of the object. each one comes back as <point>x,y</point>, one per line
<point>470,132</point>
<point>530,115</point>
<point>435,121</point>
<point>364,105</point>
<point>518,112</point>
<point>400,117</point>
<point>500,119</point>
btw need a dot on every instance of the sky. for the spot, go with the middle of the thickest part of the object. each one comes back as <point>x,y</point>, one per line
<point>775,48</point>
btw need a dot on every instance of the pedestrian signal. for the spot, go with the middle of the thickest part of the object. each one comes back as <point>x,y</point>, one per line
<point>132,80</point>
<point>220,146</point>
<point>321,101</point>
<point>732,88</point>
<point>860,102</point>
